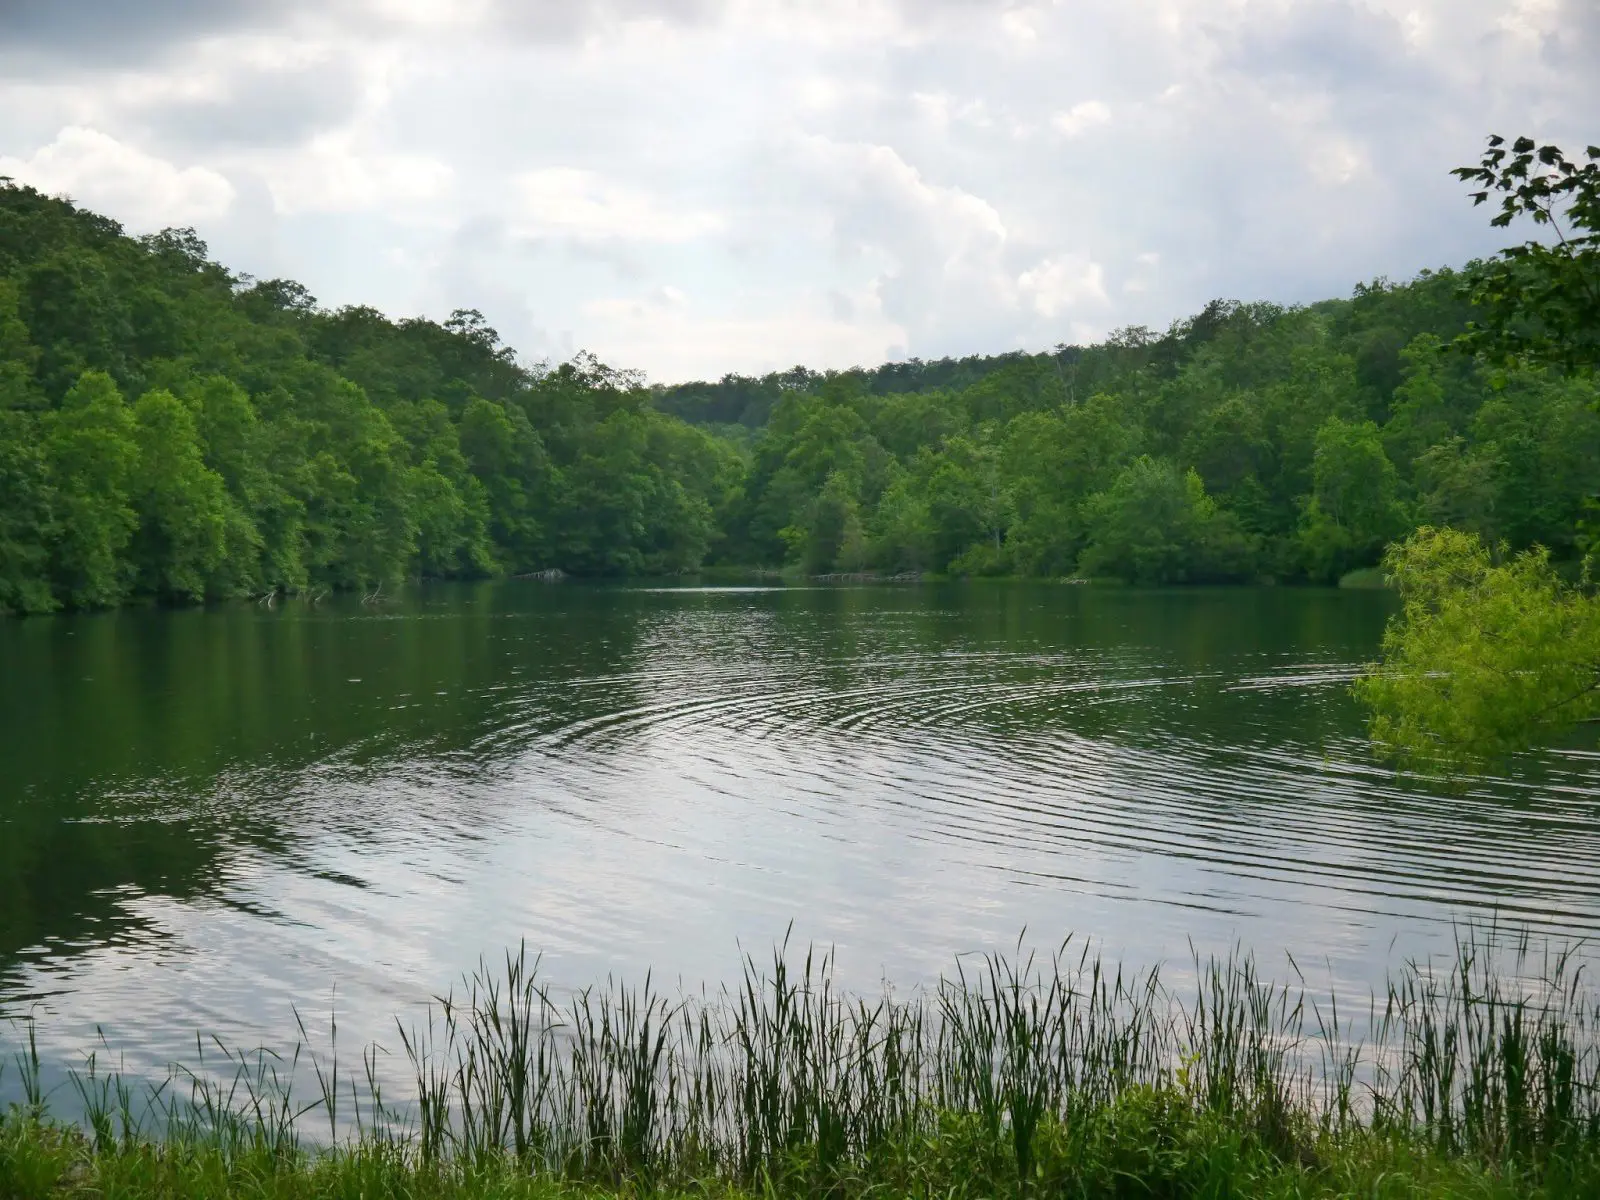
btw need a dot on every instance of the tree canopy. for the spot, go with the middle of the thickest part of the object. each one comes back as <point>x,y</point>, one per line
<point>173,431</point>
<point>1486,657</point>
<point>1539,301</point>
<point>1494,650</point>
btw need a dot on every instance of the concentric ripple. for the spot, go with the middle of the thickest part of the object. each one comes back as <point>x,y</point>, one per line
<point>267,811</point>
<point>1031,762</point>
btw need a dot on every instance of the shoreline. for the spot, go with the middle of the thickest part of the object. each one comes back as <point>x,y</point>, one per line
<point>1066,1076</point>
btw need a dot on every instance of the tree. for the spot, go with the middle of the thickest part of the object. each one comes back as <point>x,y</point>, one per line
<point>1354,507</point>
<point>18,357</point>
<point>829,536</point>
<point>26,516</point>
<point>92,455</point>
<point>1493,653</point>
<point>182,504</point>
<point>354,449</point>
<point>1541,433</point>
<point>505,452</point>
<point>449,505</point>
<point>1490,653</point>
<point>1459,488</point>
<point>969,506</point>
<point>1422,414</point>
<point>231,437</point>
<point>902,538</point>
<point>1053,462</point>
<point>1539,302</point>
<point>1157,525</point>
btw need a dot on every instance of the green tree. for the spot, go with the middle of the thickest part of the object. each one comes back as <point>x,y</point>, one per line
<point>1540,301</point>
<point>18,357</point>
<point>505,452</point>
<point>359,529</point>
<point>1458,488</point>
<point>1156,525</point>
<point>1052,463</point>
<point>1422,412</point>
<point>354,450</point>
<point>906,422</point>
<point>182,504</point>
<point>232,439</point>
<point>1493,653</point>
<point>90,446</point>
<point>970,506</point>
<point>901,535</point>
<point>829,535</point>
<point>76,316</point>
<point>1541,434</point>
<point>625,506</point>
<point>1490,653</point>
<point>26,516</point>
<point>448,504</point>
<point>810,439</point>
<point>1354,509</point>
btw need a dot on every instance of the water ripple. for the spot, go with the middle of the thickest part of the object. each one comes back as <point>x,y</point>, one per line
<point>657,778</point>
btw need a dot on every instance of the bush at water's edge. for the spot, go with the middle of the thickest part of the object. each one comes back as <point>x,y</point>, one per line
<point>1365,579</point>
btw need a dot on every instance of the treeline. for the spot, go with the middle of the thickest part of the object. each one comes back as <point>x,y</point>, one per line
<point>173,431</point>
<point>170,430</point>
<point>1249,441</point>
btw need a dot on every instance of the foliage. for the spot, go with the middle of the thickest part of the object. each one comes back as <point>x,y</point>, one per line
<point>1147,1144</point>
<point>1539,301</point>
<point>1316,435</point>
<point>92,456</point>
<point>1355,504</point>
<point>1066,1077</point>
<point>173,432</point>
<point>1155,525</point>
<point>1485,656</point>
<point>1494,652</point>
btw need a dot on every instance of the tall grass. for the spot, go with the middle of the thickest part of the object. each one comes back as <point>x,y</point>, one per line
<point>1020,1058</point>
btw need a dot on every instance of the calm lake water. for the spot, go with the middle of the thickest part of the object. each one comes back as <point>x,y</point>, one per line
<point>209,818</point>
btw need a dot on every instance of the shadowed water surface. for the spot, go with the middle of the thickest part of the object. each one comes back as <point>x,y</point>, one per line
<point>210,817</point>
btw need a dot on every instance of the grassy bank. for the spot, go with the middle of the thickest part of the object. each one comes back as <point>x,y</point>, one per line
<point>1064,1078</point>
<point>1147,1144</point>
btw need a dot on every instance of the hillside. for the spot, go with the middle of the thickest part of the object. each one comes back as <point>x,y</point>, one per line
<point>171,430</point>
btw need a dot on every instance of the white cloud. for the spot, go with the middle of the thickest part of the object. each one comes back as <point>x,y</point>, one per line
<point>683,343</point>
<point>1338,161</point>
<point>1063,284</point>
<point>556,201</point>
<point>700,185</point>
<point>1019,24</point>
<point>1081,117</point>
<point>97,170</point>
<point>1530,18</point>
<point>334,176</point>
<point>935,253</point>
<point>935,105</point>
<point>1143,276</point>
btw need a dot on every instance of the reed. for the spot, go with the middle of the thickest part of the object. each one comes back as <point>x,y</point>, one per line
<point>1014,1074</point>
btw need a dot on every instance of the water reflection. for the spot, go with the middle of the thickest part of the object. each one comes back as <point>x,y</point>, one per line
<point>210,817</point>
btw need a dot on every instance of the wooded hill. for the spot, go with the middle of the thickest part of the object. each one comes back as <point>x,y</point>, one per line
<point>174,431</point>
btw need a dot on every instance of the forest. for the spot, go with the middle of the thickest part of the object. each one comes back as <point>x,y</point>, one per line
<point>171,431</point>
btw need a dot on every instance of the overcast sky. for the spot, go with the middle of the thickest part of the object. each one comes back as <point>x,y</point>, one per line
<point>700,186</point>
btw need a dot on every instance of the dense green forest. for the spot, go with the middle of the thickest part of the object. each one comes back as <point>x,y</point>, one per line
<point>174,431</point>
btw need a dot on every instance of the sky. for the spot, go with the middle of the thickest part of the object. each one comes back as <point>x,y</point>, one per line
<point>695,187</point>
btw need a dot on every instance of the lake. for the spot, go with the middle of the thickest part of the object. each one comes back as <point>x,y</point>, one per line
<point>212,818</point>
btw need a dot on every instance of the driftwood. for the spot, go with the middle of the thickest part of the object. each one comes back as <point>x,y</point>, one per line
<point>553,575</point>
